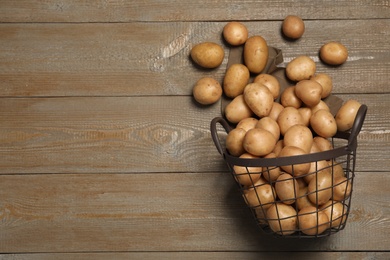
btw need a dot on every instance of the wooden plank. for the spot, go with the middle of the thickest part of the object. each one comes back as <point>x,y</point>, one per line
<point>119,11</point>
<point>139,134</point>
<point>201,255</point>
<point>165,212</point>
<point>134,59</point>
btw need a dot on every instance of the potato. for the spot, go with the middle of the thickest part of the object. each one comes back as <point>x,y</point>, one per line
<point>247,175</point>
<point>247,123</point>
<point>286,188</point>
<point>273,172</point>
<point>259,98</point>
<point>306,114</point>
<point>320,188</point>
<point>262,195</point>
<point>309,91</point>
<point>337,170</point>
<point>237,110</point>
<point>323,143</point>
<point>333,53</point>
<point>342,188</point>
<point>300,68</point>
<point>293,27</point>
<point>302,200</point>
<point>282,219</point>
<point>312,222</point>
<point>336,212</point>
<point>275,110</point>
<point>255,54</point>
<point>235,33</point>
<point>234,141</point>
<point>326,83</point>
<point>299,136</point>
<point>207,91</point>
<point>288,117</point>
<point>278,147</point>
<point>320,105</point>
<point>346,115</point>
<point>270,82</point>
<point>323,123</point>
<point>235,80</point>
<point>259,142</point>
<point>296,169</point>
<point>270,125</point>
<point>316,167</point>
<point>288,98</point>
<point>208,54</point>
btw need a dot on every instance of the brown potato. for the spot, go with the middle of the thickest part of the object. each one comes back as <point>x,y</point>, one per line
<point>278,147</point>
<point>262,195</point>
<point>259,142</point>
<point>286,188</point>
<point>320,188</point>
<point>275,111</point>
<point>255,54</point>
<point>333,53</point>
<point>323,123</point>
<point>270,82</point>
<point>293,27</point>
<point>282,219</point>
<point>320,105</point>
<point>309,91</point>
<point>336,212</point>
<point>247,175</point>
<point>346,115</point>
<point>306,114</point>
<point>302,200</point>
<point>299,136</point>
<point>342,188</point>
<point>234,141</point>
<point>235,80</point>
<point>235,33</point>
<point>300,68</point>
<point>318,166</point>
<point>237,110</point>
<point>326,83</point>
<point>207,91</point>
<point>273,172</point>
<point>259,98</point>
<point>247,123</point>
<point>322,143</point>
<point>296,169</point>
<point>270,125</point>
<point>288,98</point>
<point>288,117</point>
<point>208,54</point>
<point>312,222</point>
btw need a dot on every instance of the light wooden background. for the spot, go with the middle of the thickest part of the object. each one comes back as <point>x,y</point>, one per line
<point>105,155</point>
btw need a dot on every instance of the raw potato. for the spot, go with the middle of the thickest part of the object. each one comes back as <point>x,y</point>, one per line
<point>300,68</point>
<point>320,188</point>
<point>259,98</point>
<point>306,114</point>
<point>318,166</point>
<point>346,115</point>
<point>270,125</point>
<point>237,110</point>
<point>320,105</point>
<point>275,110</point>
<point>342,188</point>
<point>235,33</point>
<point>207,91</point>
<point>302,199</point>
<point>235,80</point>
<point>333,53</point>
<point>234,141</point>
<point>262,195</point>
<point>326,83</point>
<point>323,123</point>
<point>309,91</point>
<point>312,222</point>
<point>336,212</point>
<point>288,117</point>
<point>323,143</point>
<point>208,54</point>
<point>247,175</point>
<point>293,27</point>
<point>255,54</point>
<point>259,142</point>
<point>286,188</point>
<point>288,98</point>
<point>299,136</point>
<point>247,123</point>
<point>282,219</point>
<point>273,172</point>
<point>296,169</point>
<point>270,82</point>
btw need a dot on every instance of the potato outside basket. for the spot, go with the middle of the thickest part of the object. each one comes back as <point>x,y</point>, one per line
<point>343,153</point>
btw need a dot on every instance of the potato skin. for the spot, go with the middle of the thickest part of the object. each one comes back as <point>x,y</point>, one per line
<point>235,33</point>
<point>255,54</point>
<point>346,115</point>
<point>235,80</point>
<point>208,54</point>
<point>259,98</point>
<point>300,68</point>
<point>207,91</point>
<point>333,53</point>
<point>293,27</point>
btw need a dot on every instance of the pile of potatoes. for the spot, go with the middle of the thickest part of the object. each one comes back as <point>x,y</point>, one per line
<point>271,122</point>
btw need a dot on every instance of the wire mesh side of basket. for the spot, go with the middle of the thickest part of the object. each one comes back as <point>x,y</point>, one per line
<point>258,186</point>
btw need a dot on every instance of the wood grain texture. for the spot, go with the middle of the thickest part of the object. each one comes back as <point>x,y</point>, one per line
<point>111,59</point>
<point>126,11</point>
<point>154,212</point>
<point>138,134</point>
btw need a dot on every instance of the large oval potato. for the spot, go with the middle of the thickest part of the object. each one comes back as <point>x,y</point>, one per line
<point>207,54</point>
<point>346,115</point>
<point>255,53</point>
<point>300,68</point>
<point>259,98</point>
<point>235,80</point>
<point>237,110</point>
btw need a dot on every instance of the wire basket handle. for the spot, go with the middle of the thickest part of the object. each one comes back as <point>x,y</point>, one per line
<point>214,132</point>
<point>357,125</point>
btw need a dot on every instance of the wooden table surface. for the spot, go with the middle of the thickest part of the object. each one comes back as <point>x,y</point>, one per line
<point>105,155</point>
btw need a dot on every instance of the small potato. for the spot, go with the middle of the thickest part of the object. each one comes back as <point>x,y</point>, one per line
<point>312,221</point>
<point>282,219</point>
<point>336,212</point>
<point>286,188</point>
<point>315,167</point>
<point>323,123</point>
<point>288,117</point>
<point>288,98</point>
<point>235,33</point>
<point>247,176</point>
<point>237,110</point>
<point>270,82</point>
<point>234,141</point>
<point>293,27</point>
<point>261,195</point>
<point>247,123</point>
<point>306,114</point>
<point>333,53</point>
<point>326,83</point>
<point>322,143</point>
<point>299,136</point>
<point>275,110</point>
<point>320,188</point>
<point>273,172</point>
<point>270,125</point>
<point>259,142</point>
<point>320,105</point>
<point>235,80</point>
<point>309,91</point>
<point>302,200</point>
<point>207,91</point>
<point>300,68</point>
<point>336,169</point>
<point>296,169</point>
<point>342,188</point>
<point>208,54</point>
<point>346,115</point>
<point>255,54</point>
<point>259,98</point>
<point>278,147</point>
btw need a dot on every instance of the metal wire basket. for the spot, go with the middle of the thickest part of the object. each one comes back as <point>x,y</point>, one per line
<point>284,217</point>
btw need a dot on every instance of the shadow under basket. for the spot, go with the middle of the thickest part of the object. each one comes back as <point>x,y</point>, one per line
<point>309,196</point>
